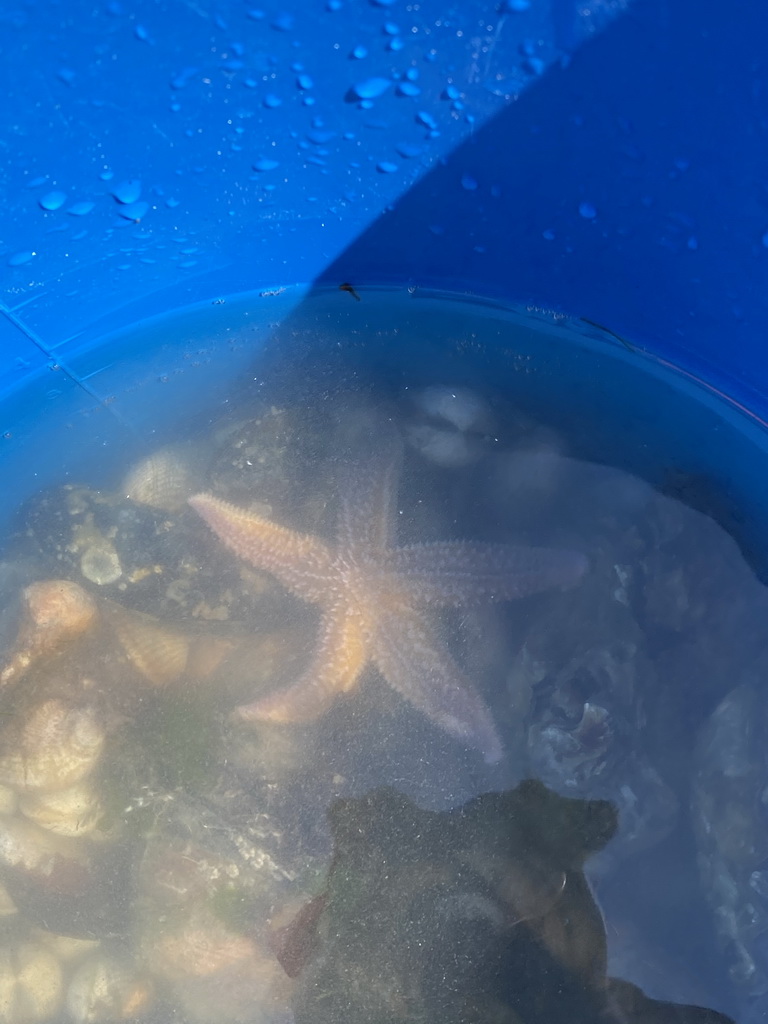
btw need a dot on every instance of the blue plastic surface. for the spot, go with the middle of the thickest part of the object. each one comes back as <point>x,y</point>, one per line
<point>158,156</point>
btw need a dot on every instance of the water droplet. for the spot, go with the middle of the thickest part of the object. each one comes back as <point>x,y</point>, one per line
<point>396,43</point>
<point>358,53</point>
<point>407,89</point>
<point>765,239</point>
<point>386,167</point>
<point>107,175</point>
<point>408,150</point>
<point>134,211</point>
<point>283,22</point>
<point>381,3</point>
<point>171,202</point>
<point>549,234</point>
<point>20,258</point>
<point>81,209</point>
<point>180,80</point>
<point>308,101</point>
<point>256,14</point>
<point>127,191</point>
<point>141,33</point>
<point>271,101</point>
<point>52,200</point>
<point>320,138</point>
<point>468,182</point>
<point>514,6</point>
<point>334,5</point>
<point>38,181</point>
<point>265,164</point>
<point>534,65</point>
<point>390,29</point>
<point>370,88</point>
<point>304,82</point>
<point>587,210</point>
<point>412,74</point>
<point>66,75</point>
<point>426,119</point>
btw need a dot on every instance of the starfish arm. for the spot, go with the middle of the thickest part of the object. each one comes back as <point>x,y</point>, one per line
<point>301,563</point>
<point>368,496</point>
<point>456,573</point>
<point>341,655</point>
<point>413,663</point>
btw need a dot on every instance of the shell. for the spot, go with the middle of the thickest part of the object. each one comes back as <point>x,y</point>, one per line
<point>7,906</point>
<point>69,812</point>
<point>30,984</point>
<point>106,988</point>
<point>217,974</point>
<point>60,745</point>
<point>55,611</point>
<point>160,654</point>
<point>163,655</point>
<point>67,949</point>
<point>26,847</point>
<point>163,480</point>
<point>8,800</point>
<point>100,563</point>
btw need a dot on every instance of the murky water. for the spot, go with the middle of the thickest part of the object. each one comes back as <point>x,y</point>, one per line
<point>404,549</point>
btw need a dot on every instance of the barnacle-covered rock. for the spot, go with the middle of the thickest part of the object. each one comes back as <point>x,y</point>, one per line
<point>479,913</point>
<point>146,558</point>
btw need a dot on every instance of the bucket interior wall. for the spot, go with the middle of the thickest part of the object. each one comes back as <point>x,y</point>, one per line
<point>555,210</point>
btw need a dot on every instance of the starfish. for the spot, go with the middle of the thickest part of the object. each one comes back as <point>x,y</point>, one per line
<point>375,600</point>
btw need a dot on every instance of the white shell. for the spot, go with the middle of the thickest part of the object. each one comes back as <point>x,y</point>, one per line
<point>67,812</point>
<point>100,563</point>
<point>67,949</point>
<point>162,480</point>
<point>8,800</point>
<point>106,988</point>
<point>30,984</point>
<point>60,745</point>
<point>7,906</point>
<point>27,846</point>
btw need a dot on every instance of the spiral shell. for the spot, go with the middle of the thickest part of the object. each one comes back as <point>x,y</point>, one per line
<point>30,984</point>
<point>68,812</point>
<point>60,745</point>
<point>55,611</point>
<point>106,988</point>
<point>162,480</point>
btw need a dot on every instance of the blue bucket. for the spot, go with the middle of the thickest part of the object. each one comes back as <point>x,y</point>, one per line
<point>552,207</point>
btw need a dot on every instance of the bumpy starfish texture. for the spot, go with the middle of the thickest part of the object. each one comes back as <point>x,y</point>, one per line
<point>375,600</point>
